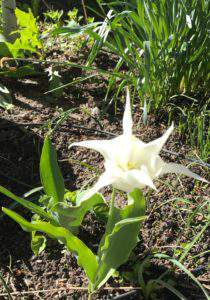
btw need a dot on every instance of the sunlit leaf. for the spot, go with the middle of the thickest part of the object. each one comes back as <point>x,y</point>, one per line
<point>38,243</point>
<point>85,256</point>
<point>26,203</point>
<point>124,225</point>
<point>72,216</point>
<point>50,173</point>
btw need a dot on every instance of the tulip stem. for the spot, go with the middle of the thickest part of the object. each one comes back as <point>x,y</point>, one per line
<point>111,217</point>
<point>112,202</point>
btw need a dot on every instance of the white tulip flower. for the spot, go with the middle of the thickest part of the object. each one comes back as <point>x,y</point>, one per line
<point>129,162</point>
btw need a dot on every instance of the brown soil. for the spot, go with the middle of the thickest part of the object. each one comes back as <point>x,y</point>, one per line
<point>164,230</point>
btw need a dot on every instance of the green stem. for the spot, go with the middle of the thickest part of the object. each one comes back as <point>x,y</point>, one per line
<point>110,221</point>
<point>112,201</point>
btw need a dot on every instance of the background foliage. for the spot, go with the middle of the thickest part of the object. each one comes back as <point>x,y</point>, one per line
<point>163,48</point>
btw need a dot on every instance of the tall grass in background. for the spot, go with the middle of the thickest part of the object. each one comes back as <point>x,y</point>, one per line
<point>162,45</point>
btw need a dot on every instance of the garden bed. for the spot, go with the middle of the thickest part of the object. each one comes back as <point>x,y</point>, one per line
<point>54,274</point>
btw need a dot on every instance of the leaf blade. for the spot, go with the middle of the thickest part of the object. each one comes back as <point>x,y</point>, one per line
<point>50,173</point>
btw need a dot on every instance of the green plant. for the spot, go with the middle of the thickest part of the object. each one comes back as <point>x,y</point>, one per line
<point>53,16</point>
<point>69,31</point>
<point>27,40</point>
<point>163,48</point>
<point>150,287</point>
<point>60,212</point>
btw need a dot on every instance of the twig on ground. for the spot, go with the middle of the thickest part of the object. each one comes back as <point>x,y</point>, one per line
<point>75,288</point>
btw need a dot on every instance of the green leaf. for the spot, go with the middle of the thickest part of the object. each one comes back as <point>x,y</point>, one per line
<point>28,204</point>
<point>50,173</point>
<point>171,288</point>
<point>101,212</point>
<point>26,20</point>
<point>5,98</point>
<point>33,191</point>
<point>72,216</point>
<point>85,256</point>
<point>123,225</point>
<point>28,35</point>
<point>4,51</point>
<point>147,61</point>
<point>38,243</point>
<point>73,29</point>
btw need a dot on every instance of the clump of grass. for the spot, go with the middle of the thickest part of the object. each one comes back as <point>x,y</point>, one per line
<point>162,48</point>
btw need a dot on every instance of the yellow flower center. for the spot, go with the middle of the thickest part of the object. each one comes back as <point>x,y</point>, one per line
<point>131,166</point>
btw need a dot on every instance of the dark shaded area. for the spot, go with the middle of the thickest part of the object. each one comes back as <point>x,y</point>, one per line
<point>19,156</point>
<point>20,150</point>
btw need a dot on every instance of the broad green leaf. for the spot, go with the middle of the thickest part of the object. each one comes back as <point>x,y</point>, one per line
<point>50,173</point>
<point>28,204</point>
<point>26,20</point>
<point>85,256</point>
<point>101,212</point>
<point>38,243</point>
<point>123,225</point>
<point>72,216</point>
<point>28,35</point>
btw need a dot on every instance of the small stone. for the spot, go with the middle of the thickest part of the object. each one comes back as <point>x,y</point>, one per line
<point>39,261</point>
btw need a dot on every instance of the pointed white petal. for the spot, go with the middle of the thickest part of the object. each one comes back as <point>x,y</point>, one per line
<point>156,145</point>
<point>104,180</point>
<point>141,177</point>
<point>127,117</point>
<point>133,179</point>
<point>102,146</point>
<point>179,169</point>
<point>155,166</point>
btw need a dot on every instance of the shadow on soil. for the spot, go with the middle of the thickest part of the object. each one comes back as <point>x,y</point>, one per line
<point>20,151</point>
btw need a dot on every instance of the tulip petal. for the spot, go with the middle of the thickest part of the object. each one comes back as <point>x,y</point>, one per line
<point>102,146</point>
<point>158,144</point>
<point>104,180</point>
<point>179,169</point>
<point>140,178</point>
<point>127,117</point>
